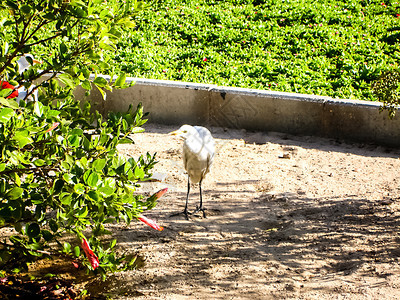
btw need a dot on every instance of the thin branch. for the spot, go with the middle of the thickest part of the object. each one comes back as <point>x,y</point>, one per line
<point>40,25</point>
<point>34,250</point>
<point>25,170</point>
<point>22,41</point>
<point>44,40</point>
<point>16,27</point>
<point>29,23</point>
<point>39,85</point>
<point>10,57</point>
<point>25,32</point>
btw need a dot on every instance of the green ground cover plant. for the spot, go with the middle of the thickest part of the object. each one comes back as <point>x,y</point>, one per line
<point>334,48</point>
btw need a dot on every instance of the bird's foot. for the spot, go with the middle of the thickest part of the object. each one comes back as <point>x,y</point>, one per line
<point>201,208</point>
<point>185,213</point>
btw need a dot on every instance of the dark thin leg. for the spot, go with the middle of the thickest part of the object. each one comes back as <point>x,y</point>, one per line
<point>200,207</point>
<point>185,211</point>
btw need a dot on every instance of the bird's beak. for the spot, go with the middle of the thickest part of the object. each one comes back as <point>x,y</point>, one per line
<point>176,132</point>
<point>35,61</point>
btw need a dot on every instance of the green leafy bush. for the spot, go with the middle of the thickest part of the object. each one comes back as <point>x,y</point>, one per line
<point>387,90</point>
<point>60,171</point>
<point>334,48</point>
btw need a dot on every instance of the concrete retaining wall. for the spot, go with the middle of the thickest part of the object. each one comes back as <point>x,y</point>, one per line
<point>171,102</point>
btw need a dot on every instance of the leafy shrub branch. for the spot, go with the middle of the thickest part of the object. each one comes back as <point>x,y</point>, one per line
<point>387,90</point>
<point>60,171</point>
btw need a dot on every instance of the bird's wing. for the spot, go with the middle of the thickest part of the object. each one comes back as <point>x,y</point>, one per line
<point>210,156</point>
<point>210,159</point>
<point>185,156</point>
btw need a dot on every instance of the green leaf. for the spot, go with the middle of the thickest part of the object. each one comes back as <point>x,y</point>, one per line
<point>93,179</point>
<point>53,225</point>
<point>66,79</point>
<point>103,94</point>
<point>86,175</point>
<point>94,195</point>
<point>86,143</point>
<point>138,130</point>
<point>47,235</point>
<point>26,9</point>
<point>5,93</point>
<point>13,82</point>
<point>86,85</point>
<point>6,114</point>
<point>5,213</point>
<point>67,247</point>
<point>99,164</point>
<point>73,140</point>
<point>83,212</point>
<point>63,48</point>
<point>125,141</point>
<point>38,108</point>
<point>84,162</point>
<point>49,16</point>
<point>120,81</point>
<point>8,102</point>
<point>127,23</point>
<point>3,185</point>
<point>65,165</point>
<point>106,13</point>
<point>139,173</point>
<point>39,162</point>
<point>79,188</point>
<point>106,191</point>
<point>33,230</point>
<point>16,178</point>
<point>124,125</point>
<point>79,12</point>
<point>77,251</point>
<point>15,193</point>
<point>22,137</point>
<point>107,44</point>
<point>68,178</point>
<point>57,187</point>
<point>66,198</point>
<point>100,81</point>
<point>76,131</point>
<point>78,3</point>
<point>118,160</point>
<point>53,113</point>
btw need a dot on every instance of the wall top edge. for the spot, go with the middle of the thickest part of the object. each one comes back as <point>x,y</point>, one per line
<point>254,92</point>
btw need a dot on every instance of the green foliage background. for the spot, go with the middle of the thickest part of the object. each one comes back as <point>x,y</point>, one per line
<point>334,48</point>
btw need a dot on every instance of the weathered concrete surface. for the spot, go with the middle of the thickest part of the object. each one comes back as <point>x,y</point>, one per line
<point>171,102</point>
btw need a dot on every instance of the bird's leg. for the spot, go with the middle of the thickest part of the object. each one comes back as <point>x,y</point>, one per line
<point>185,211</point>
<point>200,207</point>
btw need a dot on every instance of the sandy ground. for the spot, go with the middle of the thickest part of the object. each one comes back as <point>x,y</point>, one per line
<point>287,217</point>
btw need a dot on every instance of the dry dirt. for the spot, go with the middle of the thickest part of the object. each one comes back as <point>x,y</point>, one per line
<point>287,218</point>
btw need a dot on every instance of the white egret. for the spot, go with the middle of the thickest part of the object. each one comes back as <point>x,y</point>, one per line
<point>198,155</point>
<point>23,65</point>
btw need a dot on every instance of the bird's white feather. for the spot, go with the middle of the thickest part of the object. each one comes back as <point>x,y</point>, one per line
<point>23,65</point>
<point>198,151</point>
